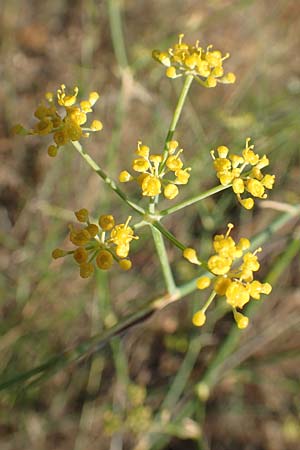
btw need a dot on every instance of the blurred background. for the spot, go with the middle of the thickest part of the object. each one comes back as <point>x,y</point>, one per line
<point>137,392</point>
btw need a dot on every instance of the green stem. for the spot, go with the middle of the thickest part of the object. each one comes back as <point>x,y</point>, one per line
<point>156,224</point>
<point>173,239</point>
<point>209,301</point>
<point>162,253</point>
<point>115,22</point>
<point>193,200</point>
<point>164,261</point>
<point>176,116</point>
<point>109,181</point>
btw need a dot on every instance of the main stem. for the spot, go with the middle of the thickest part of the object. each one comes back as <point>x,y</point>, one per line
<point>176,116</point>
<point>162,254</point>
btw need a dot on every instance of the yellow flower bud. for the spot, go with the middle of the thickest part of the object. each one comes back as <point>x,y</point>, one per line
<point>211,82</point>
<point>52,150</point>
<point>266,288</point>
<point>191,255</point>
<point>241,320</point>
<point>238,186</point>
<point>96,125</point>
<point>171,191</point>
<point>80,255</point>
<point>263,162</point>
<point>82,215</point>
<point>151,186</point>
<point>155,159</point>
<point>86,106</point>
<point>104,260</point>
<point>171,72</point>
<point>199,318</point>
<point>43,127</point>
<point>80,237</point>
<point>174,163</point>
<point>222,151</point>
<point>268,181</point>
<point>243,244</point>
<point>122,250</point>
<point>92,229</point>
<point>93,97</point>
<point>221,285</point>
<point>247,203</point>
<point>140,165</point>
<point>142,150</point>
<point>203,282</point>
<point>182,176</point>
<point>60,138</point>
<point>255,188</point>
<point>125,264</point>
<point>172,146</point>
<point>237,295</point>
<point>106,222</point>
<point>125,176</point>
<point>229,78</point>
<point>219,265</point>
<point>58,253</point>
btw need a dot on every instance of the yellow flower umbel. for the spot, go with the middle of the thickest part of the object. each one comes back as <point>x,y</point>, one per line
<point>205,65</point>
<point>152,171</point>
<point>244,173</point>
<point>63,118</point>
<point>102,243</point>
<point>236,284</point>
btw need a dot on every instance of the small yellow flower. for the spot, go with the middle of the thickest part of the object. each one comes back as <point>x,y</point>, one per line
<point>152,169</point>
<point>236,284</point>
<point>203,282</point>
<point>103,245</point>
<point>230,167</point>
<point>171,191</point>
<point>82,215</point>
<point>125,264</point>
<point>241,320</point>
<point>58,253</point>
<point>199,318</point>
<point>151,186</point>
<point>106,222</point>
<point>80,255</point>
<point>191,255</point>
<point>205,65</point>
<point>104,260</point>
<point>66,125</point>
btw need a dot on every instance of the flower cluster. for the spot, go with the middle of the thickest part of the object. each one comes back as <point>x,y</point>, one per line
<point>152,170</point>
<point>103,242</point>
<point>236,284</point>
<point>229,168</point>
<point>67,125</point>
<point>206,65</point>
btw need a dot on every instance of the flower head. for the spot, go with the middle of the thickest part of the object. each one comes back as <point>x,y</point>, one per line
<point>152,169</point>
<point>235,282</point>
<point>61,116</point>
<point>102,243</point>
<point>205,65</point>
<point>243,173</point>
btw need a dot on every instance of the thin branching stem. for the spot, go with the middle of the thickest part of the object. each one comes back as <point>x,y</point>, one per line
<point>109,181</point>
